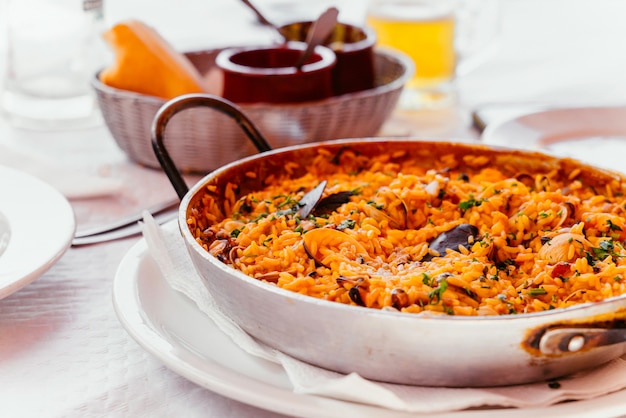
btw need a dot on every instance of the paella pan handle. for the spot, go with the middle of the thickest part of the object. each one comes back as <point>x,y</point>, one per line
<point>172,107</point>
<point>571,339</point>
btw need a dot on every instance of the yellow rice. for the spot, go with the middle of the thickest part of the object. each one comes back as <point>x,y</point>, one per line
<point>503,271</point>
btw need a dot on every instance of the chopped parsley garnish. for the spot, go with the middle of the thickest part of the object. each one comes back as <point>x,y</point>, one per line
<point>435,295</point>
<point>502,265</point>
<point>376,205</point>
<point>288,200</point>
<point>286,212</point>
<point>465,205</point>
<point>612,226</point>
<point>261,216</point>
<point>426,279</point>
<point>538,291</point>
<point>606,248</point>
<point>347,224</point>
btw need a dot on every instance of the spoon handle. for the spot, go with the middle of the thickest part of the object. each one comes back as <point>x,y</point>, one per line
<point>319,30</point>
<point>258,14</point>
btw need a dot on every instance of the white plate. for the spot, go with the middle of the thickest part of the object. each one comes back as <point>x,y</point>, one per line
<point>37,228</point>
<point>170,326</point>
<point>596,135</point>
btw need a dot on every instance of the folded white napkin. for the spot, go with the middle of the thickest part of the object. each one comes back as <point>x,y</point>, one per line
<point>168,250</point>
<point>71,183</point>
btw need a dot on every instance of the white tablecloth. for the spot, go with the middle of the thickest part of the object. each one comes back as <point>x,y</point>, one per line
<point>63,352</point>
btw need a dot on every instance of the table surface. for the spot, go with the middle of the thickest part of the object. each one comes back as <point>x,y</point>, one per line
<point>63,352</point>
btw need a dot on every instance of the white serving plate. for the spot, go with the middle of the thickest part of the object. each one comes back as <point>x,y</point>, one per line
<point>36,228</point>
<point>172,328</point>
<point>596,135</point>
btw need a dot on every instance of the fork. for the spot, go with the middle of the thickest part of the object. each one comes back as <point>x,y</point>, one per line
<point>126,227</point>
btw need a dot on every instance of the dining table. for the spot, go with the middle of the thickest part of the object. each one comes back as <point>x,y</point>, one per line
<point>64,352</point>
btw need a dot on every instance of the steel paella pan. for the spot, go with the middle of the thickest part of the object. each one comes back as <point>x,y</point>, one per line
<point>390,345</point>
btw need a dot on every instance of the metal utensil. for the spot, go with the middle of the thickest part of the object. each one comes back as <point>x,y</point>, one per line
<point>162,213</point>
<point>262,18</point>
<point>309,200</point>
<point>123,232</point>
<point>318,32</point>
<point>127,226</point>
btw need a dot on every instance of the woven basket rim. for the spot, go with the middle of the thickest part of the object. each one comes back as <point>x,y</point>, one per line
<point>401,58</point>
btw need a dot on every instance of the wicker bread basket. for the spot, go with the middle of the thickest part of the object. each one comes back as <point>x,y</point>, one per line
<point>201,140</point>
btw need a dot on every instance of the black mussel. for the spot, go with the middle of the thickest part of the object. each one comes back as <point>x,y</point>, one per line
<point>463,234</point>
<point>355,295</point>
<point>331,202</point>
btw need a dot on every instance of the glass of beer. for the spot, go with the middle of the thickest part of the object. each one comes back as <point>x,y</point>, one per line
<point>439,35</point>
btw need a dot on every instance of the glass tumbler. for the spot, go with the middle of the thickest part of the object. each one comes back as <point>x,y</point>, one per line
<point>53,49</point>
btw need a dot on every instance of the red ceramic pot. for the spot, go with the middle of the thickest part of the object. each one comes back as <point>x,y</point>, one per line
<point>268,74</point>
<point>353,46</point>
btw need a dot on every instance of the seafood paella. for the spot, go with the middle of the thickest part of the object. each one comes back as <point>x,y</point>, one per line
<point>458,234</point>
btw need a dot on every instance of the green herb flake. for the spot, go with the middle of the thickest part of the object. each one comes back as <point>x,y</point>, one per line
<point>426,279</point>
<point>286,212</point>
<point>605,248</point>
<point>284,203</point>
<point>504,264</point>
<point>376,205</point>
<point>258,218</point>
<point>347,224</point>
<point>538,291</point>
<point>612,226</point>
<point>465,205</point>
<point>436,294</point>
